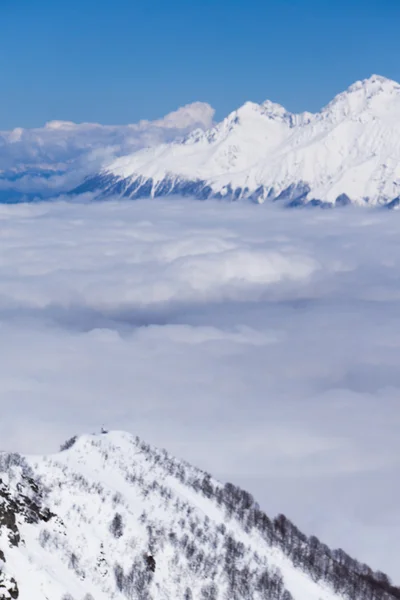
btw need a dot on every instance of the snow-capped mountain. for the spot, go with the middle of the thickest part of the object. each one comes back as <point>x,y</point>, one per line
<point>347,152</point>
<point>110,517</point>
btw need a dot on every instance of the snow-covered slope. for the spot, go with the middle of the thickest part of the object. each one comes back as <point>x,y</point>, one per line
<point>110,517</point>
<point>347,152</point>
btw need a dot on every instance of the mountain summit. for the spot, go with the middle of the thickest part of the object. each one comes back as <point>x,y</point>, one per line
<point>110,517</point>
<point>347,152</point>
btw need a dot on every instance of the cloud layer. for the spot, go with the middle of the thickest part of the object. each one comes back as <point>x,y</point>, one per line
<point>259,344</point>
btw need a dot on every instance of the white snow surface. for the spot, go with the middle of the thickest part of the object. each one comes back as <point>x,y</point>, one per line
<point>76,553</point>
<point>351,147</point>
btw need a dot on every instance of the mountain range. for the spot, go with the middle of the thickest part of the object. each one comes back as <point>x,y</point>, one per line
<point>110,517</point>
<point>349,152</point>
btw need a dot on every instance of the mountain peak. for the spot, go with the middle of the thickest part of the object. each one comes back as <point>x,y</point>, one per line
<point>375,83</point>
<point>269,109</point>
<point>374,93</point>
<point>373,86</point>
<point>274,110</point>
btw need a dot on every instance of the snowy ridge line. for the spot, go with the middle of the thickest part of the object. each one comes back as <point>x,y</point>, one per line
<point>349,152</point>
<point>111,517</point>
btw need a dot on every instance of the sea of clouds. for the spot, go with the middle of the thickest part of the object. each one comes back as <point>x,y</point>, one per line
<point>258,343</point>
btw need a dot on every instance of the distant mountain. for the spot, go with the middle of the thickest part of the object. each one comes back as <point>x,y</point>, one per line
<point>49,160</point>
<point>110,517</point>
<point>349,152</point>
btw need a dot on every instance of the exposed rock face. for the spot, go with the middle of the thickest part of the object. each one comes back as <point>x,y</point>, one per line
<point>21,501</point>
<point>8,587</point>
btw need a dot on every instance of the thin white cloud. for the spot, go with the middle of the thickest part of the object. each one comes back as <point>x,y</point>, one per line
<point>260,344</point>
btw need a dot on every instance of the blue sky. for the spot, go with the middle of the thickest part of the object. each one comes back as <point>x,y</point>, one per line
<point>92,60</point>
